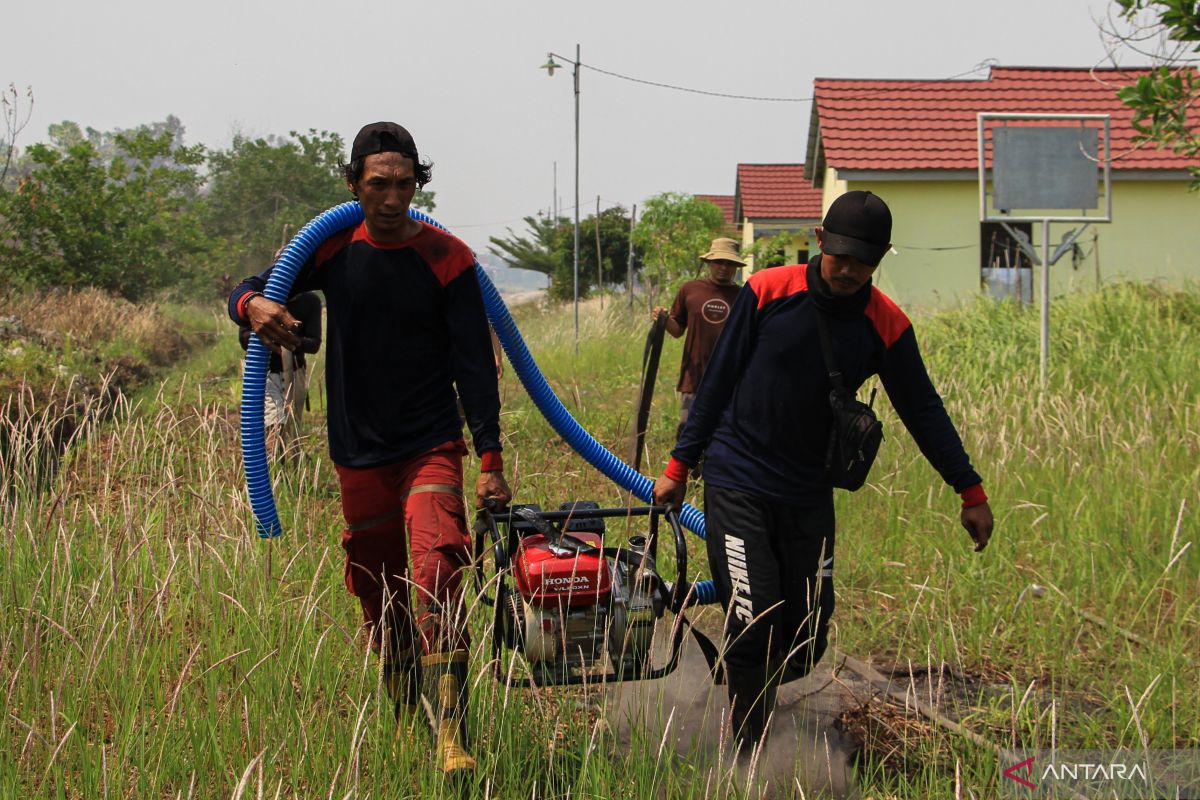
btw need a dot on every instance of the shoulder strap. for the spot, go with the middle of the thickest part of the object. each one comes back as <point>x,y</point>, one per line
<point>835,375</point>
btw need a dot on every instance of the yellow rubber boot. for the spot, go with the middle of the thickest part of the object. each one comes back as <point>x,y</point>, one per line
<point>447,676</point>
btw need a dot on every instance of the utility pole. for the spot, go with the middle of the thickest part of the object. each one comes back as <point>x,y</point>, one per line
<point>1044,364</point>
<point>576,199</point>
<point>550,66</point>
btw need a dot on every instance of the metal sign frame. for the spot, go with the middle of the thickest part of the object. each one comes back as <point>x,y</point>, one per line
<point>1105,162</point>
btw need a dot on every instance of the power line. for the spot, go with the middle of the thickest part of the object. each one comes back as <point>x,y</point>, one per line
<point>632,79</point>
<point>982,66</point>
<point>607,203</point>
<point>486,224</point>
<point>900,248</point>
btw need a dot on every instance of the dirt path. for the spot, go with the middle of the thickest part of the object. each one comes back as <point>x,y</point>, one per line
<point>820,722</point>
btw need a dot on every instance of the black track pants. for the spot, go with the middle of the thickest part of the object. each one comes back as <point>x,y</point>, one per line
<point>773,569</point>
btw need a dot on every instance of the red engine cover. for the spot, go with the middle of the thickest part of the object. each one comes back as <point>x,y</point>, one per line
<point>548,576</point>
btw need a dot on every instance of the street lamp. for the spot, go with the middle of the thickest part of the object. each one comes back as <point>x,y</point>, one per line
<point>550,66</point>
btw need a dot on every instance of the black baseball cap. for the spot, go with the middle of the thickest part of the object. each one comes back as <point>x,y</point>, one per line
<point>858,224</point>
<point>383,137</point>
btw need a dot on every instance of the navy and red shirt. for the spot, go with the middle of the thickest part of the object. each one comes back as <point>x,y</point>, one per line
<point>761,416</point>
<point>406,328</point>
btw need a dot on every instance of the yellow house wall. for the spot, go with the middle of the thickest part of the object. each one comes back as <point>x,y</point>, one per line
<point>747,243</point>
<point>928,215</point>
<point>799,242</point>
<point>832,188</point>
<point>1154,236</point>
<point>1155,233</point>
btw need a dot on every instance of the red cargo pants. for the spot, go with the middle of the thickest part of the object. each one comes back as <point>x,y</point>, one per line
<point>411,507</point>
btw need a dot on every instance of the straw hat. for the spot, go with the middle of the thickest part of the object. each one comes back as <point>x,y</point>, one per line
<point>724,250</point>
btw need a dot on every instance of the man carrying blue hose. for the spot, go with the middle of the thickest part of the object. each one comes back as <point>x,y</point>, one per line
<point>771,416</point>
<point>407,338</point>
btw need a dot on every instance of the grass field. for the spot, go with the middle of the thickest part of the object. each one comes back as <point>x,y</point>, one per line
<point>151,646</point>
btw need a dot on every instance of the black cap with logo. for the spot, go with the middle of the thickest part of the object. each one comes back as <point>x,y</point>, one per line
<point>383,137</point>
<point>858,224</point>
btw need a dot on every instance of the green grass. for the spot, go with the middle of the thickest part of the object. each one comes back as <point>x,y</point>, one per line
<point>152,646</point>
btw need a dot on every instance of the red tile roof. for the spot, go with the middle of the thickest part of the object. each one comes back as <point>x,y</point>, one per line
<point>723,202</point>
<point>776,191</point>
<point>908,124</point>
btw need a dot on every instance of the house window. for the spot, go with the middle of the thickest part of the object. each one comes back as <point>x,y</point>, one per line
<point>1005,270</point>
<point>801,256</point>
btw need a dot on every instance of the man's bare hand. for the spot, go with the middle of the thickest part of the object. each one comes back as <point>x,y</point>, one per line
<point>978,522</point>
<point>492,486</point>
<point>275,326</point>
<point>668,492</point>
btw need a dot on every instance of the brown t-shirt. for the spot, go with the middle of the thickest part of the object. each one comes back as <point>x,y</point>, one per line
<point>700,308</point>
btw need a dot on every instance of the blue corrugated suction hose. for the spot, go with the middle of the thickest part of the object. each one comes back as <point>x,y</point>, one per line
<point>298,250</point>
<point>258,357</point>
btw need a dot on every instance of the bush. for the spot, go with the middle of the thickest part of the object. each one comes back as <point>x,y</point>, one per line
<point>123,224</point>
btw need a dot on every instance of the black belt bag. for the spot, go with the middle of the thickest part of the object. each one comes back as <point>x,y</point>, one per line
<point>855,433</point>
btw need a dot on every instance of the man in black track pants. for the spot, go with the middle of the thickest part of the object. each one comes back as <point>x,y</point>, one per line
<point>762,420</point>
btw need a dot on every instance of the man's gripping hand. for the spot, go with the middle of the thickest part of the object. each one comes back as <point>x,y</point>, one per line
<point>669,492</point>
<point>273,323</point>
<point>492,486</point>
<point>662,317</point>
<point>978,522</point>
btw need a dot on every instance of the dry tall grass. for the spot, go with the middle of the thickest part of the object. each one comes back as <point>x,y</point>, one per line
<point>92,319</point>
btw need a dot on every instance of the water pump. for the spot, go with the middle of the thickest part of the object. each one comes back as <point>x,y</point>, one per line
<point>574,608</point>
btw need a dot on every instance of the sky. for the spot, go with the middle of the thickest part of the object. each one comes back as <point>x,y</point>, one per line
<point>464,78</point>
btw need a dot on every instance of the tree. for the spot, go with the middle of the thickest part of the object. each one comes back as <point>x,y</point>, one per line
<point>549,248</point>
<point>1162,100</point>
<point>424,200</point>
<point>541,250</point>
<point>124,225</point>
<point>673,231</point>
<point>614,248</point>
<point>770,251</point>
<point>261,190</point>
<point>66,134</point>
<point>14,122</point>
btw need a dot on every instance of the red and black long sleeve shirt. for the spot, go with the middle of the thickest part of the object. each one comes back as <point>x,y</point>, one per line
<point>406,328</point>
<point>761,416</point>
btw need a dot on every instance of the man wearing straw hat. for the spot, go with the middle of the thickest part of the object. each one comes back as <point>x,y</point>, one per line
<point>700,309</point>
<point>408,337</point>
<point>798,337</point>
